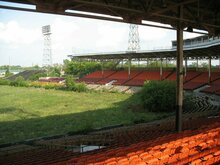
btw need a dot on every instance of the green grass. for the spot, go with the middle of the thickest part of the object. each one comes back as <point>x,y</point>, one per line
<point>27,113</point>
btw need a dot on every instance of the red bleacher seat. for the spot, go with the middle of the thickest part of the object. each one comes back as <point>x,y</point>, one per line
<point>95,76</point>
<point>145,75</point>
<point>215,84</point>
<point>119,77</point>
<point>197,82</point>
<point>200,146</point>
<point>191,75</point>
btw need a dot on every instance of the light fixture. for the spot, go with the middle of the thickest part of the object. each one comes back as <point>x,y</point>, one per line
<point>189,29</point>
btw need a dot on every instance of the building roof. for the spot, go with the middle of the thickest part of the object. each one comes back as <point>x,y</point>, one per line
<point>199,14</point>
<point>201,50</point>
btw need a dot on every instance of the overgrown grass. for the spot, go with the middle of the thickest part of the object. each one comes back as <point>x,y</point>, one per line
<point>27,113</point>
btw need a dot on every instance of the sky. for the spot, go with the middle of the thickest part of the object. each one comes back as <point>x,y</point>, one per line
<point>22,42</point>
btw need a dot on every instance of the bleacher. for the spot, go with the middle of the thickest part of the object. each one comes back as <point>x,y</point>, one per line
<point>214,86</point>
<point>96,76</point>
<point>189,76</point>
<point>153,143</point>
<point>192,80</point>
<point>51,79</point>
<point>119,77</point>
<point>25,74</point>
<point>197,82</point>
<point>201,146</point>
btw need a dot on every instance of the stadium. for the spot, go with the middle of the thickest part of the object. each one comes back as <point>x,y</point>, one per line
<point>188,136</point>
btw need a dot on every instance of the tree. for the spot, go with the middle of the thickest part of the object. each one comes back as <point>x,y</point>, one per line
<point>80,68</point>
<point>7,72</point>
<point>159,96</point>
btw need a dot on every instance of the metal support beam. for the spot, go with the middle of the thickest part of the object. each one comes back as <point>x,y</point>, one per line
<point>185,67</point>
<point>129,67</point>
<point>197,63</point>
<point>102,65</point>
<point>179,74</point>
<point>161,68</point>
<point>210,68</point>
<point>219,62</point>
<point>166,62</point>
<point>148,62</point>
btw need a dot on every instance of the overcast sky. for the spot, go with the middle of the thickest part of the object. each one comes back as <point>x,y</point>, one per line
<point>21,39</point>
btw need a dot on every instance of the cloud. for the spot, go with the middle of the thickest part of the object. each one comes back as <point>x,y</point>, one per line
<point>112,37</point>
<point>14,34</point>
<point>190,35</point>
<point>73,35</point>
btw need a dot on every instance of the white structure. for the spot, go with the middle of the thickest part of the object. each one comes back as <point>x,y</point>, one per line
<point>133,41</point>
<point>47,52</point>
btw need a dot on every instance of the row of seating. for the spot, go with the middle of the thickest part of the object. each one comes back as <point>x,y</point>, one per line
<point>200,146</point>
<point>51,79</point>
<point>192,80</point>
<point>214,87</point>
<point>36,156</point>
<point>58,151</point>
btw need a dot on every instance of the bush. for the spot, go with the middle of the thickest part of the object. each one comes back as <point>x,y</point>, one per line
<point>71,85</point>
<point>19,82</point>
<point>35,77</point>
<point>4,82</point>
<point>46,85</point>
<point>159,96</point>
<point>81,87</point>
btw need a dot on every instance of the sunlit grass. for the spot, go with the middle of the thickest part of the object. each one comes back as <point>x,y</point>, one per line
<point>35,112</point>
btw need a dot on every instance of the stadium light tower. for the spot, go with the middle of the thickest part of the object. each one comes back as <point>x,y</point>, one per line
<point>47,52</point>
<point>133,41</point>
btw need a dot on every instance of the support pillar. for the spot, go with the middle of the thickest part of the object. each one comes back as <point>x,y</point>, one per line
<point>219,62</point>
<point>148,62</point>
<point>197,63</point>
<point>166,62</point>
<point>209,68</point>
<point>179,74</point>
<point>161,68</point>
<point>129,67</point>
<point>185,71</point>
<point>102,66</point>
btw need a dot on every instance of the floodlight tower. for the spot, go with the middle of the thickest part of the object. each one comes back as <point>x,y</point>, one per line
<point>133,41</point>
<point>47,52</point>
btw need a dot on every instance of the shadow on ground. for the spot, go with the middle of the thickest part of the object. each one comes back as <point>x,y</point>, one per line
<point>122,113</point>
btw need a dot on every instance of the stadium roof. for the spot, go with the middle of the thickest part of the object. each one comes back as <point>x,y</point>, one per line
<point>198,14</point>
<point>201,51</point>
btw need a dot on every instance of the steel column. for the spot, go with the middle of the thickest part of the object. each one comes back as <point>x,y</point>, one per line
<point>185,67</point>
<point>102,66</point>
<point>129,67</point>
<point>209,68</point>
<point>161,68</point>
<point>179,75</point>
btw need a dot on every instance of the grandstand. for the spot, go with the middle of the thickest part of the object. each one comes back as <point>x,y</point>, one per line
<point>192,80</point>
<point>51,79</point>
<point>153,143</point>
<point>26,74</point>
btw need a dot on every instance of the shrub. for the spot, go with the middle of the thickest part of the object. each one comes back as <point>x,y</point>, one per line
<point>19,82</point>
<point>81,87</point>
<point>159,96</point>
<point>46,85</point>
<point>188,103</point>
<point>4,82</point>
<point>35,77</point>
<point>71,85</point>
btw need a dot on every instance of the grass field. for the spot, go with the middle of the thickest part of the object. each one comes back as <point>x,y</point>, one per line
<point>27,113</point>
